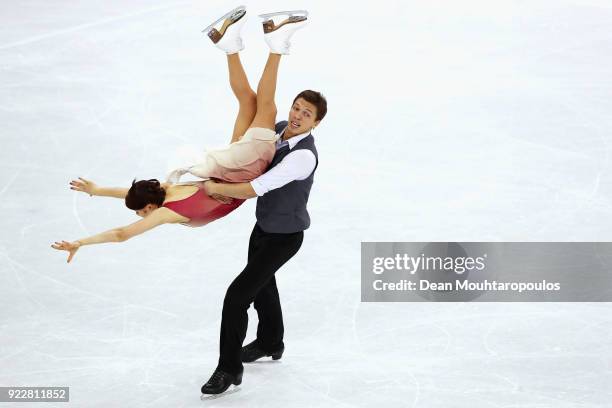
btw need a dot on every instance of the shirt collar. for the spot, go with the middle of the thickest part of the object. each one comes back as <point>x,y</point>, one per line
<point>292,141</point>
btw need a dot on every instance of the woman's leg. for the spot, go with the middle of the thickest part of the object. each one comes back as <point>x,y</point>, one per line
<point>266,107</point>
<point>247,99</point>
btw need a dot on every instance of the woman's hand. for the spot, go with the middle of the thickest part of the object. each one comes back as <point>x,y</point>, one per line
<point>83,185</point>
<point>71,247</point>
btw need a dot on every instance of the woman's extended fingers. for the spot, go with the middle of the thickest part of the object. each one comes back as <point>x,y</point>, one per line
<point>81,185</point>
<point>71,255</point>
<point>66,246</point>
<point>62,245</point>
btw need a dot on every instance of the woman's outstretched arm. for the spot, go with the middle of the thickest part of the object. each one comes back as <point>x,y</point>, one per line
<point>157,217</point>
<point>91,188</point>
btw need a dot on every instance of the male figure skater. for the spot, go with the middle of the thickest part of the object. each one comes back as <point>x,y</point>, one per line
<point>281,213</point>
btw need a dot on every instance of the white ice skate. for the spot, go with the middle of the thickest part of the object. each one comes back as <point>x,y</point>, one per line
<point>227,37</point>
<point>277,35</point>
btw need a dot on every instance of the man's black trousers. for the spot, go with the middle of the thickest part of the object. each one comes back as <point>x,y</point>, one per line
<point>256,283</point>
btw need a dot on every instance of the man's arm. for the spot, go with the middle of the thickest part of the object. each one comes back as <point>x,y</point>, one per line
<point>296,165</point>
<point>234,190</point>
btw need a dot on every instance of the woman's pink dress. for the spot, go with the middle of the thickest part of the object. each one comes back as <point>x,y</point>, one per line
<point>201,209</point>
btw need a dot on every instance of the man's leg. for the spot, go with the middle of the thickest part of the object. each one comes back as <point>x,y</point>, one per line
<point>270,328</point>
<point>272,251</point>
<point>266,90</point>
<point>247,99</point>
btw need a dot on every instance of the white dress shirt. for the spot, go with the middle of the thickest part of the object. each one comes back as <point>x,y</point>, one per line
<point>295,166</point>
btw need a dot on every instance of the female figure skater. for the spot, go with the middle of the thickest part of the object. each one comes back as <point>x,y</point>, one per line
<point>252,149</point>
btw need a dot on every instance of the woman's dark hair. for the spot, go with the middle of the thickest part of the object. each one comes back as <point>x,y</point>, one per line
<point>144,192</point>
<point>317,99</point>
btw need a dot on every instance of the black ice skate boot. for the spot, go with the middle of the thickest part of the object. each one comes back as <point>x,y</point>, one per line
<point>252,352</point>
<point>220,381</point>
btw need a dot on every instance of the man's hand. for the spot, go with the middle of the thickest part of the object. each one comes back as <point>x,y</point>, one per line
<point>71,247</point>
<point>83,185</point>
<point>240,191</point>
<point>209,187</point>
<point>222,199</point>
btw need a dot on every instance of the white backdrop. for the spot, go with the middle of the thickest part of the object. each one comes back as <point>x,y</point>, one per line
<point>448,121</point>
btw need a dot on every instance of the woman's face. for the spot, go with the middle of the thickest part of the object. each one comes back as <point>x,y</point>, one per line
<point>302,117</point>
<point>148,209</point>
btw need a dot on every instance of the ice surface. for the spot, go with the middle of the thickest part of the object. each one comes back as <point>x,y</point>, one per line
<point>449,121</point>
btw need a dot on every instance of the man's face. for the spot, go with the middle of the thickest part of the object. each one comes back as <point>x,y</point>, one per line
<point>302,117</point>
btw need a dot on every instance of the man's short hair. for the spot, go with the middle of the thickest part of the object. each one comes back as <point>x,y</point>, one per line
<point>317,99</point>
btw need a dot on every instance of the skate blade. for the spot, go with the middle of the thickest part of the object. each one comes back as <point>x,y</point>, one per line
<point>208,397</point>
<point>289,13</point>
<point>269,26</point>
<point>231,16</point>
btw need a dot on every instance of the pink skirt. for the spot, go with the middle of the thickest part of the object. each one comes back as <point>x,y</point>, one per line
<point>241,161</point>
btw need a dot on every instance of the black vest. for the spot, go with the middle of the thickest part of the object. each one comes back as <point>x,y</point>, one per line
<point>283,210</point>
